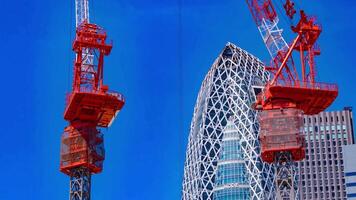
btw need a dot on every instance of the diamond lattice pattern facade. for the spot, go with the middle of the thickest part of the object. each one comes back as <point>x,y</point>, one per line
<point>227,90</point>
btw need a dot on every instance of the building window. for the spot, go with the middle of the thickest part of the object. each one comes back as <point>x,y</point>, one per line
<point>344,127</point>
<point>338,127</point>
<point>333,127</point>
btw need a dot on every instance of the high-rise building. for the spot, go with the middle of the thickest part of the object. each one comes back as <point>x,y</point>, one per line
<point>322,171</point>
<point>231,177</point>
<point>227,90</point>
<point>348,152</point>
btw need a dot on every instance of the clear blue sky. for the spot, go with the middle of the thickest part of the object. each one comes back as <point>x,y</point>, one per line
<point>146,145</point>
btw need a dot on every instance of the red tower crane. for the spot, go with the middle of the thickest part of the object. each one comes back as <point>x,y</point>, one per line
<point>89,106</point>
<point>291,92</point>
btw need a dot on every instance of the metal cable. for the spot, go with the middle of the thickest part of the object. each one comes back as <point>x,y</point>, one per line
<point>285,19</point>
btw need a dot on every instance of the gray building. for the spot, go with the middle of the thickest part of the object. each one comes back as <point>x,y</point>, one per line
<point>322,171</point>
<point>349,157</point>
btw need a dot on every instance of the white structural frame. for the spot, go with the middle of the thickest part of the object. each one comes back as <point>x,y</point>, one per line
<point>227,90</point>
<point>81,12</point>
<point>272,36</point>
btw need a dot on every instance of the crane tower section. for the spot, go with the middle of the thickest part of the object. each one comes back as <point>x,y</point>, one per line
<point>89,106</point>
<point>291,92</point>
<point>287,89</point>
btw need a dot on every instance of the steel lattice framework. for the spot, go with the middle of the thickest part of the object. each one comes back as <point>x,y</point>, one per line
<point>80,182</point>
<point>287,178</point>
<point>81,12</point>
<point>267,22</point>
<point>227,91</point>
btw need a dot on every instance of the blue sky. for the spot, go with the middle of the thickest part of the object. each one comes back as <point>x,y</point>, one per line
<point>158,62</point>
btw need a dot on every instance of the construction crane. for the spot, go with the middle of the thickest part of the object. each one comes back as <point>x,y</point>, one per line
<point>291,92</point>
<point>89,106</point>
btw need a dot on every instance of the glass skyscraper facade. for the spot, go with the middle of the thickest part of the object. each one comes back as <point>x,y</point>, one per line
<point>227,90</point>
<point>231,180</point>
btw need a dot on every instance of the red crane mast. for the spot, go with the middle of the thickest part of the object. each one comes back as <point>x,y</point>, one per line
<point>89,106</point>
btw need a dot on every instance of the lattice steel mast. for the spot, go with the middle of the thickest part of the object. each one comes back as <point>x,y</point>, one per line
<point>81,12</point>
<point>88,106</point>
<point>288,96</point>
